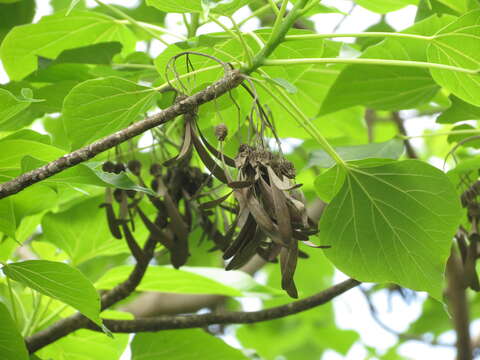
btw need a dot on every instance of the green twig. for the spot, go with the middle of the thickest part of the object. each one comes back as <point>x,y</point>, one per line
<point>12,300</point>
<point>362,61</point>
<point>358,35</point>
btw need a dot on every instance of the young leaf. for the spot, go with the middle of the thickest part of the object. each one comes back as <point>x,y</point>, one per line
<point>393,223</point>
<point>59,281</point>
<point>194,344</point>
<point>55,33</point>
<point>457,45</point>
<point>99,107</point>
<point>12,345</point>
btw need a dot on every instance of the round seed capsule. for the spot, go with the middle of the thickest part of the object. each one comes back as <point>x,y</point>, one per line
<point>108,166</point>
<point>135,167</point>
<point>119,167</point>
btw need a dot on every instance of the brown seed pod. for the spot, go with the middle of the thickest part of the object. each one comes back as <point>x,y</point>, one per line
<point>119,167</point>
<point>135,167</point>
<point>108,166</point>
<point>131,193</point>
<point>221,132</point>
<point>155,169</point>
<point>117,195</point>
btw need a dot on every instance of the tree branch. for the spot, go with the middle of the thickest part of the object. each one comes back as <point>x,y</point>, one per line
<point>458,305</point>
<point>231,79</point>
<point>411,153</point>
<point>192,321</point>
<point>77,321</point>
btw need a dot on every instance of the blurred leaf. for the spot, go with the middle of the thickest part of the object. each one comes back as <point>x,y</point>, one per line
<point>185,281</point>
<point>223,7</point>
<point>13,13</point>
<point>182,344</point>
<point>81,231</point>
<point>385,6</point>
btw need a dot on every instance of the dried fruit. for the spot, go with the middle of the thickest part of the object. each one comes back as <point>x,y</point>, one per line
<point>108,166</point>
<point>221,132</point>
<point>135,167</point>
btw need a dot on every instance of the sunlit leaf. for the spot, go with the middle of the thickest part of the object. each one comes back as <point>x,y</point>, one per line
<point>458,45</point>
<point>194,343</point>
<point>99,107</point>
<point>393,223</point>
<point>59,281</point>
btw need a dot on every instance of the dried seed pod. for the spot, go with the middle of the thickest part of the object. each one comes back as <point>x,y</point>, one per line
<point>117,194</point>
<point>135,167</point>
<point>119,167</point>
<point>221,132</point>
<point>155,169</point>
<point>131,193</point>
<point>108,166</point>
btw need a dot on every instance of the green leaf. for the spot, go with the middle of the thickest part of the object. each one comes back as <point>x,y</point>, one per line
<point>371,85</point>
<point>12,345</point>
<point>182,344</point>
<point>188,280</point>
<point>287,85</point>
<point>223,7</point>
<point>459,111</point>
<point>457,45</point>
<point>385,6</point>
<point>81,231</point>
<point>391,149</point>
<point>13,151</point>
<point>59,281</point>
<point>328,184</point>
<point>10,105</point>
<point>86,344</point>
<point>15,13</point>
<point>8,223</point>
<point>55,33</point>
<point>460,6</point>
<point>101,53</point>
<point>393,223</point>
<point>99,107</point>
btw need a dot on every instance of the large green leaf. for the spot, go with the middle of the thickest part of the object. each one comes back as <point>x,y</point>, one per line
<point>7,217</point>
<point>81,231</point>
<point>460,6</point>
<point>59,281</point>
<point>459,111</point>
<point>99,107</point>
<point>223,7</point>
<point>385,6</point>
<point>371,85</point>
<point>186,281</point>
<point>458,44</point>
<point>181,345</point>
<point>12,345</point>
<point>393,223</point>
<point>10,105</point>
<point>55,33</point>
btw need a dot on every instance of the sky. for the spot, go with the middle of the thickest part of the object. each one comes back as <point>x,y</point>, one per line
<point>351,309</point>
